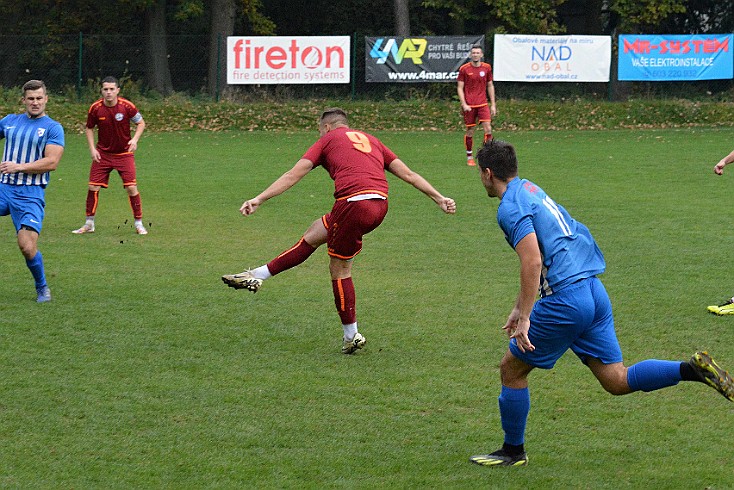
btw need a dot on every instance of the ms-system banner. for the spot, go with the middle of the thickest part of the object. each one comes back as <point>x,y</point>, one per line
<point>417,59</point>
<point>665,58</point>
<point>283,59</point>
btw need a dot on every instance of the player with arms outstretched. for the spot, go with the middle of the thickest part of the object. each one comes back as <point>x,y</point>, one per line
<point>357,162</point>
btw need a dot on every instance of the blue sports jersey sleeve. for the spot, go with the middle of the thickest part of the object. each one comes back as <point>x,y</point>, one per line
<point>569,251</point>
<point>2,126</point>
<point>516,222</point>
<point>56,134</point>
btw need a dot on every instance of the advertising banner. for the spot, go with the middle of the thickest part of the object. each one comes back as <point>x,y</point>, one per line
<point>531,58</point>
<point>675,57</point>
<point>417,59</point>
<point>288,59</point>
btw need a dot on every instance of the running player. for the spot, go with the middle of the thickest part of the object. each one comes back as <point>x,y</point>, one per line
<point>34,144</point>
<point>559,254</point>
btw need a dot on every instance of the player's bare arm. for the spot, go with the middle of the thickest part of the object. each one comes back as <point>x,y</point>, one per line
<point>401,171</point>
<point>719,167</point>
<point>51,157</point>
<point>492,100</point>
<point>139,128</point>
<point>92,145</point>
<point>460,92</point>
<point>282,184</point>
<point>531,263</point>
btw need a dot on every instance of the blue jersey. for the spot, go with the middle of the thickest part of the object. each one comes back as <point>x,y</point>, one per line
<point>568,249</point>
<point>25,142</point>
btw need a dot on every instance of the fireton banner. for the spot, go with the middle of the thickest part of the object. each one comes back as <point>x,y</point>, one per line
<point>535,58</point>
<point>296,59</point>
<point>684,57</point>
<point>417,59</point>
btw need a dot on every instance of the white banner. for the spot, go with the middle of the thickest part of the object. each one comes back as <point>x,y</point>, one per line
<point>531,58</point>
<point>288,59</point>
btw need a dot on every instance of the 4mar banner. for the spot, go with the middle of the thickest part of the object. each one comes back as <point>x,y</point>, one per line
<point>675,57</point>
<point>417,59</point>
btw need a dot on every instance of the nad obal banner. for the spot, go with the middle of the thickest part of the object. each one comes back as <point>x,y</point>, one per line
<point>531,58</point>
<point>288,59</point>
<point>675,57</point>
<point>417,59</point>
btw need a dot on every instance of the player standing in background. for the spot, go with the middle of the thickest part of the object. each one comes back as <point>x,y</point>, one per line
<point>726,308</point>
<point>356,161</point>
<point>573,312</point>
<point>474,85</point>
<point>34,144</point>
<point>114,151</point>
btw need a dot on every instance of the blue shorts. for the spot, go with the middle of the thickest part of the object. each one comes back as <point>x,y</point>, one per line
<point>24,204</point>
<point>578,317</point>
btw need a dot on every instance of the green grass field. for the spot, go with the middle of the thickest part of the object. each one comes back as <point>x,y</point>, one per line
<point>146,371</point>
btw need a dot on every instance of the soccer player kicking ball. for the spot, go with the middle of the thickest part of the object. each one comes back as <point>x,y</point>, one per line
<point>357,162</point>
<point>573,312</point>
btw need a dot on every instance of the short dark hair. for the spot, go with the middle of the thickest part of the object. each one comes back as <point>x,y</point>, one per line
<point>478,46</point>
<point>33,85</point>
<point>110,80</point>
<point>500,157</point>
<point>333,115</point>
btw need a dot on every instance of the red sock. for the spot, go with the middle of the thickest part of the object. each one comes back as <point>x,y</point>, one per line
<point>92,200</point>
<point>292,257</point>
<point>468,144</point>
<point>137,206</point>
<point>345,299</point>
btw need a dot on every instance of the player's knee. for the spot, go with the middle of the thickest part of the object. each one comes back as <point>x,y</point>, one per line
<point>510,374</point>
<point>616,385</point>
<point>27,248</point>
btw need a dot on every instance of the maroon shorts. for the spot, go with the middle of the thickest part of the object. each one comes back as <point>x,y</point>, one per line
<point>124,163</point>
<point>348,222</point>
<point>480,113</point>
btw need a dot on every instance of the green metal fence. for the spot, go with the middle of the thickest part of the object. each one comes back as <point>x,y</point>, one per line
<point>76,63</point>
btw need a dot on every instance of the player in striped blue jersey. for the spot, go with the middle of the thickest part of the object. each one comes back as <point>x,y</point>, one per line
<point>559,256</point>
<point>34,144</point>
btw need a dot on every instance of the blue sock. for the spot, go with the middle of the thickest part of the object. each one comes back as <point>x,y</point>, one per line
<point>651,375</point>
<point>514,410</point>
<point>36,267</point>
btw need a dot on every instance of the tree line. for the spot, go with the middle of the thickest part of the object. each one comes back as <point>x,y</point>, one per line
<point>147,25</point>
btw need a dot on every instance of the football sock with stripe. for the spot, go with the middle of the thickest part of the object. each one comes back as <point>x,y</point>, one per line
<point>137,206</point>
<point>345,300</point>
<point>652,374</point>
<point>514,410</point>
<point>92,200</point>
<point>292,257</point>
